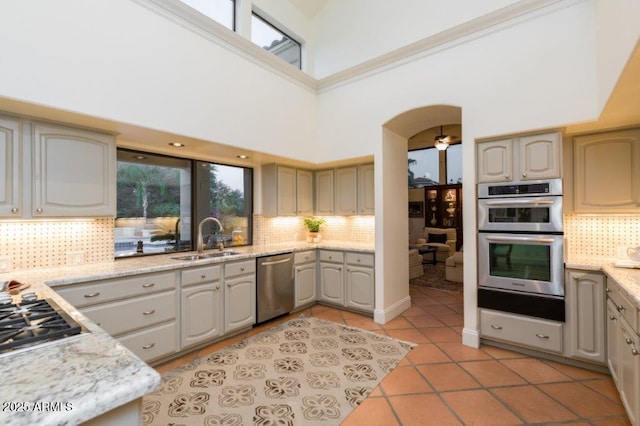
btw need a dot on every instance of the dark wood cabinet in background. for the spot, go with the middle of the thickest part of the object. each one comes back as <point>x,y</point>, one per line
<point>443,208</point>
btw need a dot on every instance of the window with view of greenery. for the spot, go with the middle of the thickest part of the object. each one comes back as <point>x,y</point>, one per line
<point>159,195</point>
<point>424,166</point>
<point>221,11</point>
<point>271,39</point>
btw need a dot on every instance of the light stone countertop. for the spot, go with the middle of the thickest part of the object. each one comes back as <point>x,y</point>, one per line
<point>627,278</point>
<point>90,374</point>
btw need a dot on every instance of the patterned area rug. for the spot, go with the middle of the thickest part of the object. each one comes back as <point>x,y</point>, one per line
<point>305,371</point>
<point>434,277</point>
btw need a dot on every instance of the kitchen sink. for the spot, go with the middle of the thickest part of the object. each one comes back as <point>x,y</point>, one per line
<point>205,255</point>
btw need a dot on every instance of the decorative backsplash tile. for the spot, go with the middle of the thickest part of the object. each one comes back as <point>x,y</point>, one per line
<point>274,230</point>
<point>599,235</point>
<point>44,244</point>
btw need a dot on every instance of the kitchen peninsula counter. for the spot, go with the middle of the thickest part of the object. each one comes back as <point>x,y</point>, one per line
<point>84,376</point>
<point>627,278</point>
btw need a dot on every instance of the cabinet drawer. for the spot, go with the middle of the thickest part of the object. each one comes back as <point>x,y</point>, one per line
<point>304,257</point>
<point>628,311</point>
<point>613,291</point>
<point>121,288</point>
<point>201,275</point>
<point>360,259</point>
<point>533,332</point>
<point>240,268</point>
<point>153,342</point>
<point>331,256</point>
<point>126,315</point>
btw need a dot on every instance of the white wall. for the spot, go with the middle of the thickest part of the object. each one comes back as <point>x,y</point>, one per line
<point>119,61</point>
<point>348,33</point>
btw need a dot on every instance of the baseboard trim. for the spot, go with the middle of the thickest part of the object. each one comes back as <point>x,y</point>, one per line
<point>471,338</point>
<point>383,316</point>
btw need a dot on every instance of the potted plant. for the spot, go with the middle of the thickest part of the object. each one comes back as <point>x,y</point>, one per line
<point>313,225</point>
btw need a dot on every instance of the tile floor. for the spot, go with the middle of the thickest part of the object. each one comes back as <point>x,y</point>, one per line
<point>442,382</point>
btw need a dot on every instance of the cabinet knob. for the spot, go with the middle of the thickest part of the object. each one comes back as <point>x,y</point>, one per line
<point>151,312</point>
<point>628,341</point>
<point>635,352</point>
<point>242,268</point>
<point>608,290</point>
<point>507,176</point>
<point>149,346</point>
<point>149,285</point>
<point>620,308</point>
<point>541,336</point>
<point>203,276</point>
<point>15,210</point>
<point>496,327</point>
<point>524,175</point>
<point>217,287</point>
<point>97,293</point>
<point>39,210</point>
<point>612,318</point>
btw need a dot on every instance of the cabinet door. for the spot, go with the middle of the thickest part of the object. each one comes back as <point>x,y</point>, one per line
<point>239,302</point>
<point>586,316</point>
<point>324,192</point>
<point>74,172</point>
<point>360,288</point>
<point>600,160</point>
<point>286,191</point>
<point>346,191</point>
<point>629,375</point>
<point>539,157</point>
<point>305,284</point>
<point>304,192</point>
<point>612,340</point>
<point>331,283</point>
<point>10,161</point>
<point>495,161</point>
<point>366,190</point>
<point>201,313</point>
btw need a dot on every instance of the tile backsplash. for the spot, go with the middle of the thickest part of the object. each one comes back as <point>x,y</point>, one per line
<point>274,230</point>
<point>599,235</point>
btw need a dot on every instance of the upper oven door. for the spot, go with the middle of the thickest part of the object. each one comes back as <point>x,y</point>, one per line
<point>533,214</point>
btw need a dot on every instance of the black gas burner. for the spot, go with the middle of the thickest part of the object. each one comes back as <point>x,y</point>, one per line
<point>30,323</point>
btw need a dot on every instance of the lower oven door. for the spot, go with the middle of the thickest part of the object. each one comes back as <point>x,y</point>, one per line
<point>531,263</point>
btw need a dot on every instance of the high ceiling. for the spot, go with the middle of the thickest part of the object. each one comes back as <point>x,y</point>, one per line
<point>309,7</point>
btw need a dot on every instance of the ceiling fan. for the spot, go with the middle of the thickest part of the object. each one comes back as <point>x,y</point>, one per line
<point>441,141</point>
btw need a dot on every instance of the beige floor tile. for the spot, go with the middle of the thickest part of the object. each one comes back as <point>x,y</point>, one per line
<point>423,410</point>
<point>492,373</point>
<point>427,354</point>
<point>440,334</point>
<point>459,352</point>
<point>605,387</point>
<point>582,400</point>
<point>396,323</point>
<point>447,377</point>
<point>404,380</point>
<point>452,319</point>
<point>479,407</point>
<point>532,405</point>
<point>575,372</point>
<point>535,371</point>
<point>500,353</point>
<point>425,321</point>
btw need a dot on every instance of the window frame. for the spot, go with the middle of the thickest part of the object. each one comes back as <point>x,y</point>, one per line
<point>255,13</point>
<point>234,14</point>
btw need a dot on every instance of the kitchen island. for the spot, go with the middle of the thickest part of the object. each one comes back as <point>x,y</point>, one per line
<point>91,374</point>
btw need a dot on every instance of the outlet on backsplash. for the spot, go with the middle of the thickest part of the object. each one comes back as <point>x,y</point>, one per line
<point>75,258</point>
<point>5,264</point>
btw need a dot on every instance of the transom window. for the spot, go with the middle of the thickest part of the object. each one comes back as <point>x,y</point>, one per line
<point>275,41</point>
<point>221,11</point>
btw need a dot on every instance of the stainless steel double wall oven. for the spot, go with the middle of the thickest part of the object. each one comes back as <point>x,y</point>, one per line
<point>520,248</point>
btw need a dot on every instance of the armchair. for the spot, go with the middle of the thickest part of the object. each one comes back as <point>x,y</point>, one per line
<point>443,239</point>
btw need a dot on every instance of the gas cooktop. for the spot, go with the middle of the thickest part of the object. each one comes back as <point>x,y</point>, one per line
<point>33,322</point>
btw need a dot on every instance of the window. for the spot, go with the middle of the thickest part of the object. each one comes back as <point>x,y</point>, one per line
<point>275,41</point>
<point>159,195</point>
<point>424,166</point>
<point>221,11</point>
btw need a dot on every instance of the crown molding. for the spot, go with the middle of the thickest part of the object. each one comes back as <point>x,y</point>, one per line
<point>193,20</point>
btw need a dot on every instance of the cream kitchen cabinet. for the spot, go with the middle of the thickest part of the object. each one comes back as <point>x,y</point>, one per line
<point>347,279</point>
<point>354,190</point>
<point>585,325</point>
<point>305,272</point>
<point>331,277</point>
<point>286,191</point>
<point>11,163</point>
<point>324,192</point>
<point>525,158</point>
<point>140,311</point>
<point>73,172</point>
<point>201,309</point>
<point>601,159</point>
<point>239,295</point>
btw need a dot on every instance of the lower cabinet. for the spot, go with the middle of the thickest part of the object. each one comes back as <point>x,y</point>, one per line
<point>201,305</point>
<point>347,279</point>
<point>305,273</point>
<point>585,316</point>
<point>239,295</point>
<point>521,330</point>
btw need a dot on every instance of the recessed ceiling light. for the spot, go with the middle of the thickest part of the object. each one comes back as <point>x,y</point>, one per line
<point>177,144</point>
<point>242,156</point>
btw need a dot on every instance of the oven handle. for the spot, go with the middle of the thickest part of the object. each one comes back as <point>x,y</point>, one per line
<point>520,239</point>
<point>512,202</point>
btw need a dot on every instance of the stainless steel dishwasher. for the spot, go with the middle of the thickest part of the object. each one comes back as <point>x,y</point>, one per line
<point>274,290</point>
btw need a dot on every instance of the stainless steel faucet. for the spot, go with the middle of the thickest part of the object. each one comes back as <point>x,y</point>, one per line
<point>199,244</point>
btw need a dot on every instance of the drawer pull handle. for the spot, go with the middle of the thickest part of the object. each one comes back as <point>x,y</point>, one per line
<point>149,346</point>
<point>542,336</point>
<point>358,260</point>
<point>608,290</point>
<point>203,276</point>
<point>612,317</point>
<point>496,327</point>
<point>635,352</point>
<point>14,210</point>
<point>149,285</point>
<point>242,268</point>
<point>97,293</point>
<point>153,311</point>
<point>217,288</point>
<point>620,308</point>
<point>628,341</point>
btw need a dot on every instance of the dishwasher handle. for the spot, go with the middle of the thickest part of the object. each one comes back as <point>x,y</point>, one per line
<point>276,262</point>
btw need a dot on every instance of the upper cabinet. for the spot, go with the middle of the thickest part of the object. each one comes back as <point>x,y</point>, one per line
<point>324,192</point>
<point>607,172</point>
<point>10,161</point>
<point>525,158</point>
<point>73,172</point>
<point>354,190</point>
<point>286,191</point>
<point>67,172</point>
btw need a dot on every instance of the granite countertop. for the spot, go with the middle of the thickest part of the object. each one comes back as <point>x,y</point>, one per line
<point>87,375</point>
<point>627,278</point>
